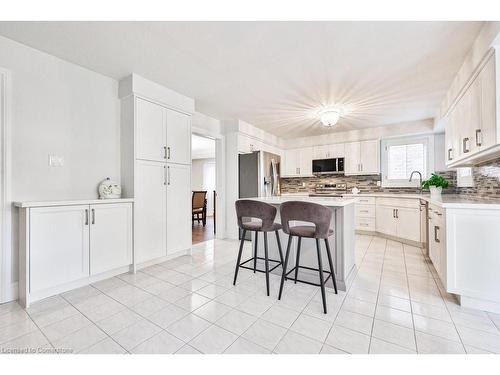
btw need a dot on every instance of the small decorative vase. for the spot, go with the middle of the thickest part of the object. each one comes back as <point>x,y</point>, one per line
<point>109,189</point>
<point>436,192</point>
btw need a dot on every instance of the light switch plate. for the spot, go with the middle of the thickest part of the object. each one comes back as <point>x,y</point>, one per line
<point>56,161</point>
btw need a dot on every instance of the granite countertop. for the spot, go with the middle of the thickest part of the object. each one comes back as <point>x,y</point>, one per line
<point>446,201</point>
<point>325,201</point>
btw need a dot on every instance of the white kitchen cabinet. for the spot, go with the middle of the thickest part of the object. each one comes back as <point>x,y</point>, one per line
<point>68,244</point>
<point>385,220</point>
<point>399,217</point>
<point>470,124</point>
<point>178,208</point>
<point>320,152</point>
<point>437,241</point>
<point>369,157</point>
<point>487,135</point>
<point>472,263</point>
<point>110,236</point>
<point>151,131</point>
<point>408,223</point>
<point>352,157</point>
<point>298,162</point>
<point>362,158</point>
<point>336,150</point>
<point>291,164</point>
<point>58,246</point>
<point>146,180</point>
<point>178,137</point>
<point>150,222</point>
<point>305,158</point>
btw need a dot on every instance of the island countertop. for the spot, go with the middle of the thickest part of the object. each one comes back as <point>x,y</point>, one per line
<point>325,201</point>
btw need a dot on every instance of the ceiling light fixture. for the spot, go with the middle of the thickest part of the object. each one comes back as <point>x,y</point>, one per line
<point>329,117</point>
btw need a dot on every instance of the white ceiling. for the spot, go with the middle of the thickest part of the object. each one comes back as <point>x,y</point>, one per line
<point>274,75</point>
<point>202,148</point>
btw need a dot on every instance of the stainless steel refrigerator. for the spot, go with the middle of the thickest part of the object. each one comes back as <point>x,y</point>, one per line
<point>259,175</point>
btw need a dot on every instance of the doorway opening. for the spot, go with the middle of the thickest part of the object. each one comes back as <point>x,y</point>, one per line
<point>203,185</point>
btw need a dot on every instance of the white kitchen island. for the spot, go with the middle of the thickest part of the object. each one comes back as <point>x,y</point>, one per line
<point>341,242</point>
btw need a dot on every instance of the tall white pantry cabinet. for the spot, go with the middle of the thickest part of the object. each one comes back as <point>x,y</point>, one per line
<point>156,167</point>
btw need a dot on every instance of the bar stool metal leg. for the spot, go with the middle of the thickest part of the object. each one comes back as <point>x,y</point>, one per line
<point>332,270</point>
<point>279,246</point>
<point>297,259</point>
<point>239,256</point>
<point>267,262</point>
<point>287,254</point>
<point>255,252</point>
<point>321,279</point>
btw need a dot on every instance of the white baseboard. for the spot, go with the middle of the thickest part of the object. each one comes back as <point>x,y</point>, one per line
<point>12,293</point>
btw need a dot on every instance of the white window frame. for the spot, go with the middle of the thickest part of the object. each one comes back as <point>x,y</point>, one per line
<point>427,140</point>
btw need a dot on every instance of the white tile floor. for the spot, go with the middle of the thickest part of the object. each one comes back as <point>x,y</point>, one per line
<point>188,305</point>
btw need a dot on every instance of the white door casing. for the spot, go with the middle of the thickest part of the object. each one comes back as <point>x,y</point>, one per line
<point>178,208</point>
<point>8,288</point>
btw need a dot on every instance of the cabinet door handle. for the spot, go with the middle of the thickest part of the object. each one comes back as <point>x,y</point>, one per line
<point>436,231</point>
<point>450,154</point>
<point>479,137</point>
<point>165,175</point>
<point>465,147</point>
<point>164,152</point>
<point>86,217</point>
<point>365,211</point>
<point>397,213</point>
<point>93,216</point>
<point>361,167</point>
<point>168,175</point>
<point>168,153</point>
<point>393,213</point>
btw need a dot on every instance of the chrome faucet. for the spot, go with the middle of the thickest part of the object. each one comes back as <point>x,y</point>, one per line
<point>420,181</point>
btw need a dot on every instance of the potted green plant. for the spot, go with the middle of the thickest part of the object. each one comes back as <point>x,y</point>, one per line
<point>435,184</point>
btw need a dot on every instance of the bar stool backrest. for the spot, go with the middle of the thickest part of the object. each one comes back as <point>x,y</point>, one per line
<point>317,214</point>
<point>247,208</point>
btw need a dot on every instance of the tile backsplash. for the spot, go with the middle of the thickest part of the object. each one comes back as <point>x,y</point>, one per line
<point>366,184</point>
<point>486,178</point>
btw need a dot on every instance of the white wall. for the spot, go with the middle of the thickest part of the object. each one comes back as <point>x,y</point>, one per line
<point>61,109</point>
<point>203,178</point>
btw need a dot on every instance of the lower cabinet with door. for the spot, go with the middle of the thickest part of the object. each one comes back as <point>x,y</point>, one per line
<point>64,245</point>
<point>399,218</point>
<point>437,241</point>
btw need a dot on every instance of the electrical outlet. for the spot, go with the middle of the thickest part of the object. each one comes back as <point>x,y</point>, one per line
<point>56,161</point>
<point>378,183</point>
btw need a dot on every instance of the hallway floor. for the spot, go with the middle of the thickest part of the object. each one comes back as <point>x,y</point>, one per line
<point>188,305</point>
<point>202,233</point>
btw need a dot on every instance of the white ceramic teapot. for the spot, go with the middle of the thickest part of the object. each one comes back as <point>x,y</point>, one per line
<point>109,189</point>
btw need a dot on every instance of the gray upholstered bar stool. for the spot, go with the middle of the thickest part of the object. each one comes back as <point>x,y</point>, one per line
<point>321,217</point>
<point>250,209</point>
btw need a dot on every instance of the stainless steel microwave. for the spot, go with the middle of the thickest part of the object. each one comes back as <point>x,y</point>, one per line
<point>328,166</point>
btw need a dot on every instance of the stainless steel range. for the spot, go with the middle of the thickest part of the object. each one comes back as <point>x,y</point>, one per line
<point>329,190</point>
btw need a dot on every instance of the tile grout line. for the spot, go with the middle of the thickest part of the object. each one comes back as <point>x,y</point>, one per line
<point>410,299</point>
<point>90,320</point>
<point>378,295</point>
<point>347,292</point>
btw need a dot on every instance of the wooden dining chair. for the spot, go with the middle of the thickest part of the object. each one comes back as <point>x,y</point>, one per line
<point>199,202</point>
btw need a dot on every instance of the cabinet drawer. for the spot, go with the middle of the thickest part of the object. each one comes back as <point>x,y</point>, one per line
<point>366,200</point>
<point>365,223</point>
<point>399,202</point>
<point>365,210</point>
